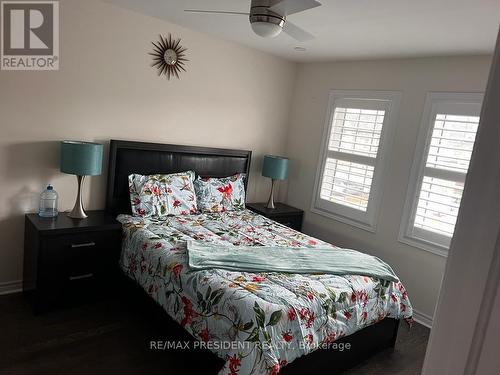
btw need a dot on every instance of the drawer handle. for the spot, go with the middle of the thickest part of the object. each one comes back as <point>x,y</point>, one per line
<point>79,277</point>
<point>88,244</point>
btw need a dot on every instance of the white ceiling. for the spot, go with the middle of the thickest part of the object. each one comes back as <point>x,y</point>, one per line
<point>349,29</point>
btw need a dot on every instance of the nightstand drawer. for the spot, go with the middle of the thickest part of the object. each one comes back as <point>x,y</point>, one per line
<point>78,256</point>
<point>83,259</point>
<point>294,222</point>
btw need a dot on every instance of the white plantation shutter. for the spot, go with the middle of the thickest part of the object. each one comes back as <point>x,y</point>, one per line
<point>347,183</point>
<point>450,124</point>
<point>352,155</point>
<point>448,159</point>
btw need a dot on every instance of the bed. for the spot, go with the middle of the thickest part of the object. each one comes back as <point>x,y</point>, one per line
<point>257,323</point>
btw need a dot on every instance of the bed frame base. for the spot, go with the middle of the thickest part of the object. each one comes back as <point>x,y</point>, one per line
<point>363,344</point>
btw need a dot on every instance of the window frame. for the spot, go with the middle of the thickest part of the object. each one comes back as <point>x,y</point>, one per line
<point>454,102</point>
<point>365,220</point>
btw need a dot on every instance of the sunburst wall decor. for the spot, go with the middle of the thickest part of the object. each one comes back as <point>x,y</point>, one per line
<point>168,56</point>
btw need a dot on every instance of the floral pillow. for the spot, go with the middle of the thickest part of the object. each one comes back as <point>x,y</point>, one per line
<point>220,194</point>
<point>161,195</point>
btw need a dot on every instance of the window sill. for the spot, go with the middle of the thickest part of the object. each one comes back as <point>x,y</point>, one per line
<point>424,245</point>
<point>361,225</point>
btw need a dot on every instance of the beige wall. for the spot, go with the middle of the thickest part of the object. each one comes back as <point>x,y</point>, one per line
<point>231,96</point>
<point>420,271</point>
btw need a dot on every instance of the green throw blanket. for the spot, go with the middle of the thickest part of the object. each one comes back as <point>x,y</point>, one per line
<point>334,261</point>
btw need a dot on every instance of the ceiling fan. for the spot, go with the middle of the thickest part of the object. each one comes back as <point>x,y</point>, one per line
<point>269,17</point>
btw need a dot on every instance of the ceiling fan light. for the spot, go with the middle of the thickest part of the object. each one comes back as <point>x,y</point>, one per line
<point>266,29</point>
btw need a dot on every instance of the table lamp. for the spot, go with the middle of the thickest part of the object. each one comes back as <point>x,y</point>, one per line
<point>81,159</point>
<point>276,168</point>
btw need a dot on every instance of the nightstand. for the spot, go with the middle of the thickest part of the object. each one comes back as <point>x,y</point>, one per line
<point>284,214</point>
<point>67,259</point>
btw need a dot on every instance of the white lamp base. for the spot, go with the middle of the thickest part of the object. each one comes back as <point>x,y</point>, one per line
<point>270,201</point>
<point>78,212</point>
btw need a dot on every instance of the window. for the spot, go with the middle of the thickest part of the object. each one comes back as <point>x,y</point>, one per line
<point>442,157</point>
<point>357,136</point>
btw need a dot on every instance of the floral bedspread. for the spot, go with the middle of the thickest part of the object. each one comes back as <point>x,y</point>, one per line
<point>257,322</point>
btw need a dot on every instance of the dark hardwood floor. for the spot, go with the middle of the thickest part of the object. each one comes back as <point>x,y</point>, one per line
<point>113,336</point>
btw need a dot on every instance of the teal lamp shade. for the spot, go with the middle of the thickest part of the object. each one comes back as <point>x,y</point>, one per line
<point>81,158</point>
<point>275,167</point>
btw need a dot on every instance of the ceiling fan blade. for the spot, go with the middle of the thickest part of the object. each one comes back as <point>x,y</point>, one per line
<point>214,12</point>
<point>296,32</point>
<point>287,7</point>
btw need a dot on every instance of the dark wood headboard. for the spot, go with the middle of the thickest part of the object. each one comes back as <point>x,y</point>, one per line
<point>127,157</point>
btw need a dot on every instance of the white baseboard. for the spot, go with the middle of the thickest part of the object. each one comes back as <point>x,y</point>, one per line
<point>11,287</point>
<point>424,319</point>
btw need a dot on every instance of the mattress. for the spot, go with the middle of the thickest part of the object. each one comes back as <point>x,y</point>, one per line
<point>256,322</point>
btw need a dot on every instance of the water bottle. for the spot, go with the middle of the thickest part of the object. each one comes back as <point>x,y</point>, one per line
<point>48,202</point>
